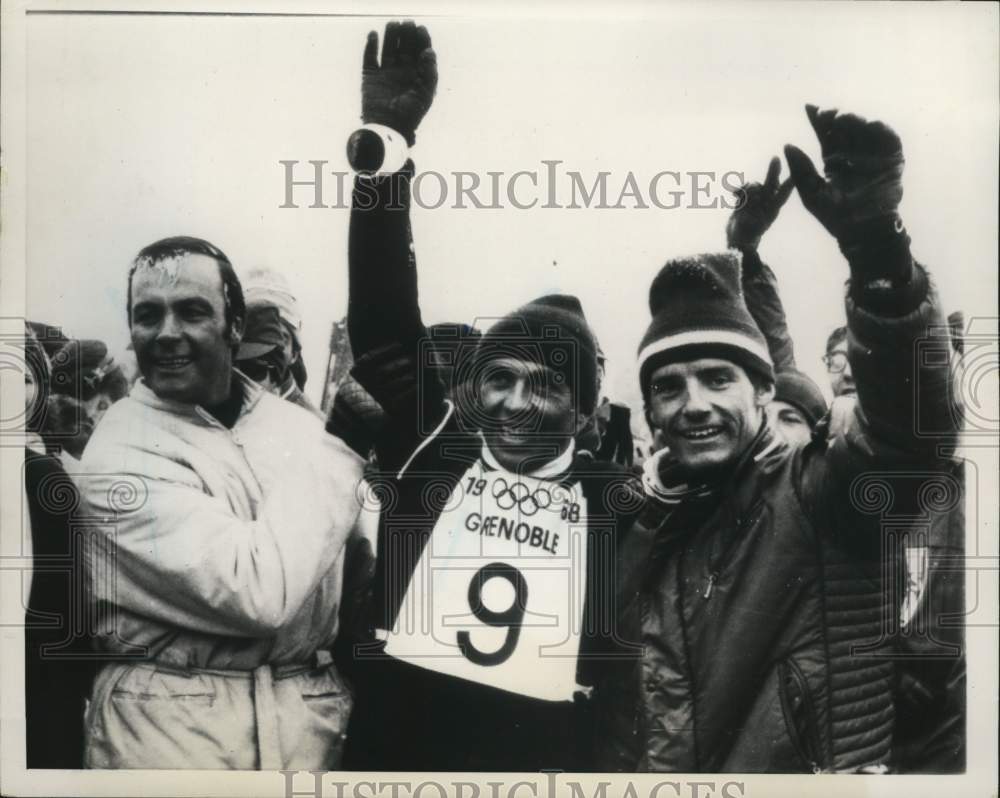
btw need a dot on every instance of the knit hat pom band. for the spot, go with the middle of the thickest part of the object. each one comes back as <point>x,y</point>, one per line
<point>698,310</point>
<point>696,344</point>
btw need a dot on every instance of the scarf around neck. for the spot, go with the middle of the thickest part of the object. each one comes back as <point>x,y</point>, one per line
<point>664,481</point>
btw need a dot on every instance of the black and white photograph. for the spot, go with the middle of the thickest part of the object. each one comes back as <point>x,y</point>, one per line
<point>505,400</point>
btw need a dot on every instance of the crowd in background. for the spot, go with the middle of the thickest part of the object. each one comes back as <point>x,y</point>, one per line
<point>74,383</point>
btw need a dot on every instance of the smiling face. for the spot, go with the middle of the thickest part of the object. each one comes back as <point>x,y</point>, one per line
<point>527,410</point>
<point>179,331</point>
<point>708,411</point>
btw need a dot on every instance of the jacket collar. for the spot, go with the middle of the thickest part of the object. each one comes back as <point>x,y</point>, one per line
<point>143,394</point>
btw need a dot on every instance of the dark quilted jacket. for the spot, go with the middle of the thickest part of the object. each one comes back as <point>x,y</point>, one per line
<point>762,611</point>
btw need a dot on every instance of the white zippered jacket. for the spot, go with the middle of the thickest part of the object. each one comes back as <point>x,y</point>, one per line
<point>218,559</point>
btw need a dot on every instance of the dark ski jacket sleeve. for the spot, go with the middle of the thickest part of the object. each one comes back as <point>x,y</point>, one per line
<point>386,330</point>
<point>760,289</point>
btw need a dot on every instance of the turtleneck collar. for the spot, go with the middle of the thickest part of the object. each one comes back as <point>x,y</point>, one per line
<point>554,468</point>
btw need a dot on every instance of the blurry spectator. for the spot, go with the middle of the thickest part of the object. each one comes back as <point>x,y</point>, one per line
<point>57,674</point>
<point>77,364</point>
<point>608,434</point>
<point>83,371</point>
<point>797,407</point>
<point>67,429</point>
<point>837,366</point>
<point>956,322</point>
<point>49,336</point>
<point>111,386</point>
<point>931,678</point>
<point>263,289</point>
<point>264,356</point>
<point>37,379</point>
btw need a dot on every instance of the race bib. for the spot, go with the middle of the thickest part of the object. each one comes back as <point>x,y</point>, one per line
<point>498,595</point>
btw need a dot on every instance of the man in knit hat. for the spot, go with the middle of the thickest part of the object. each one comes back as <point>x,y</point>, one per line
<point>754,577</point>
<point>702,332</point>
<point>491,598</point>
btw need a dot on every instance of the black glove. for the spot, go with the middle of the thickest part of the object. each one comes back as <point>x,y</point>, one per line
<point>398,93</point>
<point>857,202</point>
<point>355,417</point>
<point>757,208</point>
<point>390,374</point>
<point>863,162</point>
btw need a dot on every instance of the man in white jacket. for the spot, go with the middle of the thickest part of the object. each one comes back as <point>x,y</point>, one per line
<point>220,516</point>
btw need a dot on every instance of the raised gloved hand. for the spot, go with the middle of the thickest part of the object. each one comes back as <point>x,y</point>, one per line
<point>758,206</point>
<point>863,163</point>
<point>399,91</point>
<point>390,374</point>
<point>857,203</point>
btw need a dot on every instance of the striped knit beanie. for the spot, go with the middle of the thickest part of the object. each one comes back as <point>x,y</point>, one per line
<point>699,311</point>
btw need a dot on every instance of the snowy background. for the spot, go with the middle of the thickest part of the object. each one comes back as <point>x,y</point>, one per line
<point>145,126</point>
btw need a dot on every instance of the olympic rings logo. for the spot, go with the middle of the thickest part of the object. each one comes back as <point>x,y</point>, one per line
<point>520,495</point>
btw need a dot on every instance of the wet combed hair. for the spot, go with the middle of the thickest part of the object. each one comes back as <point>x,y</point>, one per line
<point>176,246</point>
<point>838,335</point>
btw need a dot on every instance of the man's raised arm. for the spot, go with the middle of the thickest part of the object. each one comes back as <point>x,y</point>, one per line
<point>906,406</point>
<point>384,321</point>
<point>758,205</point>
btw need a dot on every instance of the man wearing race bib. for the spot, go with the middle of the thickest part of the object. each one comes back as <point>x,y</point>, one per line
<point>491,605</point>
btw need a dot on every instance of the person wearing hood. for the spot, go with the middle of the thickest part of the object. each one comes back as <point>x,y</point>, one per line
<point>753,579</point>
<point>271,353</point>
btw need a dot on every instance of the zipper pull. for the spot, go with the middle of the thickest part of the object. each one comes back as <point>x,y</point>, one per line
<point>711,583</point>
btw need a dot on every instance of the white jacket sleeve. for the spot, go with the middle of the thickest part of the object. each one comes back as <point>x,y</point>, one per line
<point>177,554</point>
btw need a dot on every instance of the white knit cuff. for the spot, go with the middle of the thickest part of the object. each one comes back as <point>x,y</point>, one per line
<point>396,150</point>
